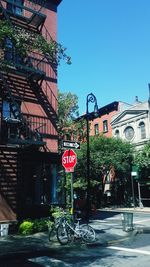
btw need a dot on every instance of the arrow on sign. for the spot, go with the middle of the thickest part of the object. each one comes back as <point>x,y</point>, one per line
<point>70,144</point>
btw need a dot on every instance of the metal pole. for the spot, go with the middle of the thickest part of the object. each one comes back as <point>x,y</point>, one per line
<point>90,98</point>
<point>88,172</point>
<point>72,198</point>
<point>133,196</point>
<point>72,202</point>
<point>139,191</point>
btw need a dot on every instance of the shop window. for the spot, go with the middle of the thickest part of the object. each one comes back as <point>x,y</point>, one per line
<point>142,130</point>
<point>96,129</point>
<point>105,126</point>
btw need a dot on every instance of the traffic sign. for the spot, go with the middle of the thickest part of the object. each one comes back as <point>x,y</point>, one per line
<point>69,160</point>
<point>71,144</point>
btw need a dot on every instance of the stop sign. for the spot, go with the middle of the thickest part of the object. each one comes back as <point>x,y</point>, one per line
<point>69,160</point>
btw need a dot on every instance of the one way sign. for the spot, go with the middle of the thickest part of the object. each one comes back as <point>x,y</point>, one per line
<point>71,144</point>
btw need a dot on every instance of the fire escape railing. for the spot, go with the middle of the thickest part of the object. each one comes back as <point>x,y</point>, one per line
<point>31,65</point>
<point>25,134</point>
<point>29,12</point>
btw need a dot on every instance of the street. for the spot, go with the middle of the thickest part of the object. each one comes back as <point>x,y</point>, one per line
<point>133,250</point>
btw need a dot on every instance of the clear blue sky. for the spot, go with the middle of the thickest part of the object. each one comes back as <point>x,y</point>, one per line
<point>109,43</point>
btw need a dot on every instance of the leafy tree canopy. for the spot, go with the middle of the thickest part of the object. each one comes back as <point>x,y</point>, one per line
<point>104,153</point>
<point>142,159</point>
<point>68,111</point>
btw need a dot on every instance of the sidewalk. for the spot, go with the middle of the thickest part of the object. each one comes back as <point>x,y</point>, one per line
<point>13,246</point>
<point>133,209</point>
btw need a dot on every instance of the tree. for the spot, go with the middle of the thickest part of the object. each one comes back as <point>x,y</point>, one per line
<point>142,161</point>
<point>68,111</point>
<point>105,153</point>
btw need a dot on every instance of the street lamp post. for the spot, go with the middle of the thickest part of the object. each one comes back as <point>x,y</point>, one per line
<point>90,98</point>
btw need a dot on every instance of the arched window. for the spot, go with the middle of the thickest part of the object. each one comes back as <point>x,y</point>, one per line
<point>117,133</point>
<point>142,130</point>
<point>105,126</point>
<point>96,129</point>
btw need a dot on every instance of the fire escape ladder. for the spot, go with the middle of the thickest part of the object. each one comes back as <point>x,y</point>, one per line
<point>27,136</point>
<point>47,99</point>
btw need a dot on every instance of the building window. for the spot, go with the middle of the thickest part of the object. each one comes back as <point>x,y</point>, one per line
<point>129,133</point>
<point>105,126</point>
<point>117,134</point>
<point>15,7</point>
<point>9,112</point>
<point>11,120</point>
<point>142,130</point>
<point>96,129</point>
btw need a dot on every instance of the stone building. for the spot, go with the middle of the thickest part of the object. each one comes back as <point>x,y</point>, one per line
<point>133,124</point>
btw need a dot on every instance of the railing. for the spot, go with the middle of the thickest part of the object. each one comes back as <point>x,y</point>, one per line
<point>40,124</point>
<point>29,64</point>
<point>26,11</point>
<point>17,131</point>
<point>41,63</point>
<point>48,38</point>
<point>50,95</point>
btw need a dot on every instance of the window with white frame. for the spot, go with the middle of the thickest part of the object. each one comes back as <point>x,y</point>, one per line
<point>96,129</point>
<point>142,130</point>
<point>105,126</point>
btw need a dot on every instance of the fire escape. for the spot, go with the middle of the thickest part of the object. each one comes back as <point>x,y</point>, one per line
<point>22,78</point>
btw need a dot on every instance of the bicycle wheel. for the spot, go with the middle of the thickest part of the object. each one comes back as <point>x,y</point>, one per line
<point>62,235</point>
<point>89,233</point>
<point>52,236</point>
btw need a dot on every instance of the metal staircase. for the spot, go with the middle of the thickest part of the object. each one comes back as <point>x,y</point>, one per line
<point>25,135</point>
<point>21,79</point>
<point>27,14</point>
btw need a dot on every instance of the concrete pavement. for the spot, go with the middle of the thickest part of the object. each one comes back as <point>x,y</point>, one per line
<point>108,230</point>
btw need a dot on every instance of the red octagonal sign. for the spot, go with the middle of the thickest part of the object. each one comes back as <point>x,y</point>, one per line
<point>69,160</point>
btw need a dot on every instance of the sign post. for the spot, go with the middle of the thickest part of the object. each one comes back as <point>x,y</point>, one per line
<point>69,160</point>
<point>71,144</point>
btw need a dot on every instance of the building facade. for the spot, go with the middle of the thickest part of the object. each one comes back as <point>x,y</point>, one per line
<point>28,112</point>
<point>102,123</point>
<point>133,124</point>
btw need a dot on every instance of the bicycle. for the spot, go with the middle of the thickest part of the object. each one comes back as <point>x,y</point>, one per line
<point>52,235</point>
<point>67,232</point>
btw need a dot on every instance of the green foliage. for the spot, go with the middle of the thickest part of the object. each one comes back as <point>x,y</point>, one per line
<point>68,111</point>
<point>26,228</point>
<point>40,225</point>
<point>104,153</point>
<point>142,161</point>
<point>26,42</point>
<point>142,158</point>
<point>56,212</point>
<point>29,227</point>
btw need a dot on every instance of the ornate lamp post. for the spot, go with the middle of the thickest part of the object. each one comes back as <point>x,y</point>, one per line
<point>90,98</point>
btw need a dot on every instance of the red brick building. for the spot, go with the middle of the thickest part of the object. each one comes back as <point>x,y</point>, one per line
<point>102,123</point>
<point>28,111</point>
